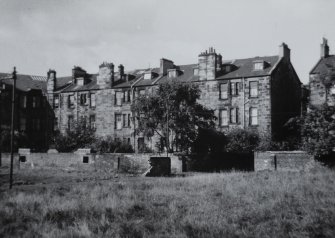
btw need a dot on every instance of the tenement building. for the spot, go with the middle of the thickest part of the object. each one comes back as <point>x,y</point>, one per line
<point>33,114</point>
<point>259,93</point>
<point>322,78</point>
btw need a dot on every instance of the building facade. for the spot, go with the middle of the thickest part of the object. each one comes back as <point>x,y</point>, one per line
<point>259,93</point>
<point>322,78</point>
<point>32,111</point>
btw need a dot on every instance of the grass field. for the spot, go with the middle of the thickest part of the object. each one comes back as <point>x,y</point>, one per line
<point>49,203</point>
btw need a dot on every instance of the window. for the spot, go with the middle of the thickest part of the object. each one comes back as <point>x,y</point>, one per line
<point>126,96</point>
<point>92,99</point>
<point>85,159</point>
<point>23,101</point>
<point>196,72</point>
<point>124,117</point>
<point>56,101</point>
<point>23,124</point>
<point>148,75</point>
<point>55,123</point>
<point>80,81</point>
<point>83,99</point>
<point>118,121</point>
<point>36,102</point>
<point>71,101</point>
<point>223,91</point>
<point>118,98</point>
<point>69,122</point>
<point>128,120</point>
<point>172,73</point>
<point>253,116</point>
<point>253,88</point>
<point>92,121</point>
<point>234,88</point>
<point>234,115</point>
<point>224,117</point>
<point>259,65</point>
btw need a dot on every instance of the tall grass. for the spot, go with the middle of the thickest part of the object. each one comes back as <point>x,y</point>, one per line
<point>263,204</point>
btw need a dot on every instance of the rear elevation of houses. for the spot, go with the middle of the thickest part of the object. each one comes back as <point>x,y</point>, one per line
<point>322,78</point>
<point>259,93</point>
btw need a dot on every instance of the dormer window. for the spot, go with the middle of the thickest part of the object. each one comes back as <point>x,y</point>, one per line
<point>196,72</point>
<point>172,73</point>
<point>80,81</point>
<point>259,65</point>
<point>148,75</point>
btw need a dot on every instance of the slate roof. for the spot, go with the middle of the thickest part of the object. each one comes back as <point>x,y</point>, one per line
<point>26,82</point>
<point>323,65</point>
<point>92,85</point>
<point>242,68</point>
<point>245,67</point>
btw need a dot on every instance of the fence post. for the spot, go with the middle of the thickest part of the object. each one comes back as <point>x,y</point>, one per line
<point>275,160</point>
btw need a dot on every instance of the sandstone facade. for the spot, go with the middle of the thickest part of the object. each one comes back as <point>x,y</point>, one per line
<point>259,93</point>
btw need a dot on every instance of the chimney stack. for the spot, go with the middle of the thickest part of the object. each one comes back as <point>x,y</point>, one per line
<point>284,52</point>
<point>121,70</point>
<point>165,65</point>
<point>105,79</point>
<point>324,48</point>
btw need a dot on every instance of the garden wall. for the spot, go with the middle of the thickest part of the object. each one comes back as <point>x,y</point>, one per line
<point>282,160</point>
<point>83,159</point>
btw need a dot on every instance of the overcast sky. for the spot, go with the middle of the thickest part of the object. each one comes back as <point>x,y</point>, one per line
<point>36,35</point>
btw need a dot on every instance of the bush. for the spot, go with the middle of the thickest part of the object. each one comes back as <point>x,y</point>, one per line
<point>109,145</point>
<point>240,140</point>
<point>79,136</point>
<point>20,140</point>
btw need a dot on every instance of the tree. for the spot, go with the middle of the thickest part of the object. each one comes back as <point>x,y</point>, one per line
<point>80,135</point>
<point>241,140</point>
<point>318,130</point>
<point>172,112</point>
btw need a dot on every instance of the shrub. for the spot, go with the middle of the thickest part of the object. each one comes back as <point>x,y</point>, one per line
<point>240,140</point>
<point>109,145</point>
<point>79,136</point>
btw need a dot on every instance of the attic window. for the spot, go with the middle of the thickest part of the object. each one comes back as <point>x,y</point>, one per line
<point>259,65</point>
<point>148,75</point>
<point>80,81</point>
<point>172,73</point>
<point>195,71</point>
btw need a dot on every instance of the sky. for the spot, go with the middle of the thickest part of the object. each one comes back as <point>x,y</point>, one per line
<point>38,35</point>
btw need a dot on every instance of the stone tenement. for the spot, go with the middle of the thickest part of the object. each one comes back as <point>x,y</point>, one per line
<point>259,93</point>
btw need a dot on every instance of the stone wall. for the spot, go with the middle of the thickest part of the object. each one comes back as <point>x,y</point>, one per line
<point>113,162</point>
<point>282,160</point>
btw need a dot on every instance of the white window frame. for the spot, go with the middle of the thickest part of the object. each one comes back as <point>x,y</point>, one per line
<point>224,117</point>
<point>253,91</point>
<point>253,117</point>
<point>224,93</point>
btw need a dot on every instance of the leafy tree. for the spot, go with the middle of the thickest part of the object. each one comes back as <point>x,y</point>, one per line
<point>80,135</point>
<point>20,139</point>
<point>318,130</point>
<point>172,111</point>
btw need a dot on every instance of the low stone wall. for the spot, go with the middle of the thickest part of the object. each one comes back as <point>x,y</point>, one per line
<point>282,160</point>
<point>83,159</point>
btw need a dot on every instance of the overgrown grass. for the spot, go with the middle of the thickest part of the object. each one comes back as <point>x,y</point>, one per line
<point>263,204</point>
